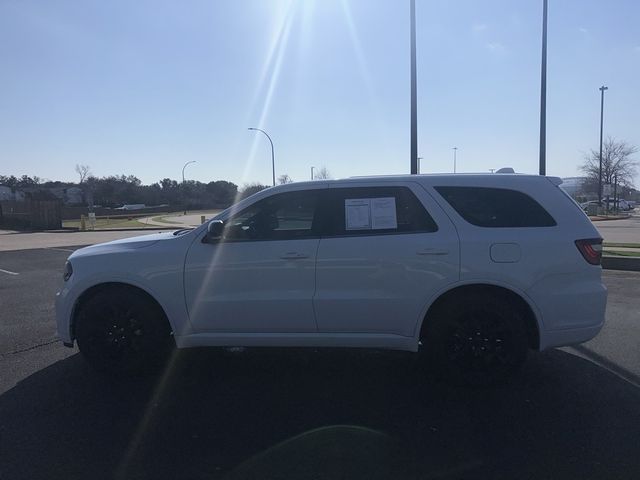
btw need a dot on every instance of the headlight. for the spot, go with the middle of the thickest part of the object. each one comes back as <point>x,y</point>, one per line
<point>68,270</point>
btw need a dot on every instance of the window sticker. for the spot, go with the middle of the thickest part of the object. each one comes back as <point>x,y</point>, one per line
<point>357,214</point>
<point>383,213</point>
<point>370,213</point>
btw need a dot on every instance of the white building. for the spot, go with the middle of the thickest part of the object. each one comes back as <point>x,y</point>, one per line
<point>10,194</point>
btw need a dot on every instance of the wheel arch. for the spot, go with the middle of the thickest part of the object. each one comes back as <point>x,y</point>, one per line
<point>518,300</point>
<point>93,290</point>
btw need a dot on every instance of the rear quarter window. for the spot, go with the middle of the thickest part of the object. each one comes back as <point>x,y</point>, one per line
<point>496,207</point>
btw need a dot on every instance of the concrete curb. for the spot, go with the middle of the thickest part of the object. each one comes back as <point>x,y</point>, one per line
<point>151,228</point>
<point>597,218</point>
<point>621,263</point>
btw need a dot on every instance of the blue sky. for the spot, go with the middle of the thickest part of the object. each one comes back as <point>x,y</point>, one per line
<point>143,87</point>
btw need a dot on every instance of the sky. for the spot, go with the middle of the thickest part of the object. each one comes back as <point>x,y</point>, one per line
<point>140,88</point>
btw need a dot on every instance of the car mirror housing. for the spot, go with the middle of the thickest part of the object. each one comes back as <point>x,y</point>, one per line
<point>214,231</point>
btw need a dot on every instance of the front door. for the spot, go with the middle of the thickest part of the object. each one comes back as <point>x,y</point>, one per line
<point>260,277</point>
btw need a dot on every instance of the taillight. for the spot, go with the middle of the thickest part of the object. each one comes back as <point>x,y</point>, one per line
<point>591,250</point>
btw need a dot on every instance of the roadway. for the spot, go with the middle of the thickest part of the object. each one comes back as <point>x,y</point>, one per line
<point>620,231</point>
<point>573,413</point>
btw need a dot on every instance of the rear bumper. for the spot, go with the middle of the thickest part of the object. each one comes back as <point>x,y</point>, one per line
<point>571,336</point>
<point>572,309</point>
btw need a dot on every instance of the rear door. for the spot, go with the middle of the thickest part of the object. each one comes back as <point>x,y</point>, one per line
<point>385,251</point>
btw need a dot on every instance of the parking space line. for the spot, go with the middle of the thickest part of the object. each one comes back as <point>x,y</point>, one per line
<point>8,272</point>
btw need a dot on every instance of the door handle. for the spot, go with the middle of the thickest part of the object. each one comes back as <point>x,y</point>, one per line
<point>293,256</point>
<point>433,251</point>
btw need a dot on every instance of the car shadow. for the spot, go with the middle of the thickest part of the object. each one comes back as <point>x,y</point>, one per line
<point>363,414</point>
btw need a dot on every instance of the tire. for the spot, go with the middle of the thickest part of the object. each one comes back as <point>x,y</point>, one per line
<point>120,330</point>
<point>480,339</point>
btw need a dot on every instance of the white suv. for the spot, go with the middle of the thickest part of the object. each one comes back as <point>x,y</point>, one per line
<point>471,270</point>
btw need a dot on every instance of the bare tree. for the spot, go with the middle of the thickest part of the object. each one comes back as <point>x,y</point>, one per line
<point>617,162</point>
<point>284,178</point>
<point>83,170</point>
<point>323,174</point>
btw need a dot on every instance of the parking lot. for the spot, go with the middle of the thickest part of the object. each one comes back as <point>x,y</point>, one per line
<point>573,413</point>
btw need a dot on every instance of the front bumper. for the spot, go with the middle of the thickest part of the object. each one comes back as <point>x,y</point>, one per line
<point>64,310</point>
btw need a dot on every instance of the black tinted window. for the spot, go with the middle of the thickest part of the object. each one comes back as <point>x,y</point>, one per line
<point>496,207</point>
<point>279,217</point>
<point>374,210</point>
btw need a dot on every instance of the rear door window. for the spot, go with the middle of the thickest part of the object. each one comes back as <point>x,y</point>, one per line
<point>496,207</point>
<point>374,211</point>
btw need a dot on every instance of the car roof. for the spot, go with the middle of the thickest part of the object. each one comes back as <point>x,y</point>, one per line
<point>498,180</point>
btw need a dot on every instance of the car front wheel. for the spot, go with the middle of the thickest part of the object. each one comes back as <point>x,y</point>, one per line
<point>120,330</point>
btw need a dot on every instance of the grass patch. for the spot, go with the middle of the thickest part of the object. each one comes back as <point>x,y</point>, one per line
<point>620,253</point>
<point>623,245</point>
<point>105,223</point>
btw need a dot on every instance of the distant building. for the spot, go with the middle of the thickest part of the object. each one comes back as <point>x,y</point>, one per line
<point>69,195</point>
<point>574,186</point>
<point>10,194</point>
<point>132,206</point>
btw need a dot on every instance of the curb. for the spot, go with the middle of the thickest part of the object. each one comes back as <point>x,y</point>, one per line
<point>621,263</point>
<point>606,219</point>
<point>77,230</point>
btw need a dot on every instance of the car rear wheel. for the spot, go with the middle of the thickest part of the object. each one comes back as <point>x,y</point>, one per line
<point>476,340</point>
<point>120,330</point>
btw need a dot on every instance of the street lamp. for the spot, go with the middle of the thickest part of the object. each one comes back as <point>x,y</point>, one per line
<point>414,90</point>
<point>273,162</point>
<point>455,151</point>
<point>602,89</point>
<point>543,94</point>
<point>185,166</point>
<point>312,172</point>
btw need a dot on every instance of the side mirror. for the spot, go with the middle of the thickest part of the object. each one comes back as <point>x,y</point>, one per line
<point>214,231</point>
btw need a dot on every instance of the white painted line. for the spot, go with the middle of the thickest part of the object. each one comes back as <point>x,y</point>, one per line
<point>60,249</point>
<point>7,271</point>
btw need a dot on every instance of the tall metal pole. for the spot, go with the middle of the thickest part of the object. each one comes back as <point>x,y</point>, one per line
<point>419,165</point>
<point>273,161</point>
<point>414,95</point>
<point>602,89</point>
<point>455,151</point>
<point>185,166</point>
<point>543,94</point>
<point>312,172</point>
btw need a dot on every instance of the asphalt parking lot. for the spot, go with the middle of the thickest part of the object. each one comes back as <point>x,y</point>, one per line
<point>573,413</point>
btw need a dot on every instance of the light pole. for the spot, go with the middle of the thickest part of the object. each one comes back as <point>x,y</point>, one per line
<point>185,166</point>
<point>414,94</point>
<point>455,151</point>
<point>419,158</point>
<point>602,89</point>
<point>273,161</point>
<point>543,94</point>
<point>312,172</point>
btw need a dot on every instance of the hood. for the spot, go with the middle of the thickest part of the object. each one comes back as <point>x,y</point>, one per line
<point>123,244</point>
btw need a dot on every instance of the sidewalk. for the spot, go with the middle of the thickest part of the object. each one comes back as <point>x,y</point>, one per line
<point>10,240</point>
<point>192,219</point>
